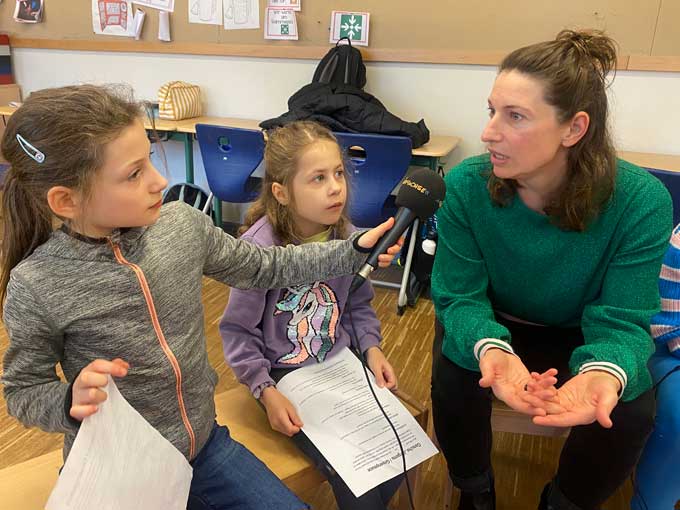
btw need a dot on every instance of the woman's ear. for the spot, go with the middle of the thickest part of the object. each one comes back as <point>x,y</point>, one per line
<point>280,193</point>
<point>64,202</point>
<point>578,127</point>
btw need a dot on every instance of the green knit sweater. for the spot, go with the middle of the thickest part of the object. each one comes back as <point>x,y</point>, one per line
<point>514,260</point>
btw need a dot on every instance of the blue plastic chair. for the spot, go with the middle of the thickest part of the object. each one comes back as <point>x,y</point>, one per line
<point>374,173</point>
<point>672,182</point>
<point>230,156</point>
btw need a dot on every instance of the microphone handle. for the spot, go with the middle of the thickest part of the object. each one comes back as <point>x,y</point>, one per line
<point>402,220</point>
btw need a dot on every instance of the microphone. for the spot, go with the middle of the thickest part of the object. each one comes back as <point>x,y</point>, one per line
<point>419,196</point>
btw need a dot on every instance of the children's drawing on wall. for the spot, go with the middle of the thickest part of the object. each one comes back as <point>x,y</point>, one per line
<point>112,17</point>
<point>28,11</point>
<point>163,5</point>
<point>280,24</point>
<point>208,12</point>
<point>293,5</point>
<point>239,14</point>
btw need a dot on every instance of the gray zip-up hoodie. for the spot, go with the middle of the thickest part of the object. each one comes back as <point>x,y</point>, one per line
<point>137,296</point>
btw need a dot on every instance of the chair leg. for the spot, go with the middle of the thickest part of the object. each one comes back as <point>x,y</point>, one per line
<point>402,300</point>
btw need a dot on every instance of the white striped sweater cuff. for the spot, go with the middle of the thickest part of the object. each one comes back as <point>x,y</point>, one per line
<point>485,344</point>
<point>610,368</point>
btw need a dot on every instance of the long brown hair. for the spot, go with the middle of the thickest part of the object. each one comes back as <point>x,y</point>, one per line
<point>573,69</point>
<point>71,127</point>
<point>284,147</point>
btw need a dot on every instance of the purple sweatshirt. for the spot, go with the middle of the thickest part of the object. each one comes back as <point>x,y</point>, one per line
<point>288,328</point>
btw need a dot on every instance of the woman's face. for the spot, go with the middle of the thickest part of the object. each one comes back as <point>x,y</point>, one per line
<point>523,134</point>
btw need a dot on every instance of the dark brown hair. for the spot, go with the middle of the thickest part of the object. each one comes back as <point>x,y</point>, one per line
<point>71,126</point>
<point>284,147</point>
<point>573,70</point>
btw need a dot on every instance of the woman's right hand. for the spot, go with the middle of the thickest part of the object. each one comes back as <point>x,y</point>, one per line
<point>507,377</point>
<point>281,413</point>
<point>87,392</point>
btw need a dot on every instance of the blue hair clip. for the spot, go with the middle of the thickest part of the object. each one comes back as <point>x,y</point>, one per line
<point>32,152</point>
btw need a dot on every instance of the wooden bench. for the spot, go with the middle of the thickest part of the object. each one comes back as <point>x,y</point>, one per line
<point>26,486</point>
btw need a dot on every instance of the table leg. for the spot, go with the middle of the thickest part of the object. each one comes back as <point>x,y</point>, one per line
<point>189,156</point>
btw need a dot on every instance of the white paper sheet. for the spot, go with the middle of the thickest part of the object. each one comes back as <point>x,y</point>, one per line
<point>164,26</point>
<point>280,24</point>
<point>113,17</point>
<point>163,5</point>
<point>240,14</point>
<point>208,12</point>
<point>343,421</point>
<point>140,16</point>
<point>288,4</point>
<point>120,461</point>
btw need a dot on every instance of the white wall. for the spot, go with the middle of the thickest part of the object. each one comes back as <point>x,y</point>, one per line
<point>451,98</point>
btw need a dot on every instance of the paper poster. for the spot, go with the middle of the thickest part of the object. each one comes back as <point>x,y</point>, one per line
<point>113,17</point>
<point>293,5</point>
<point>343,421</point>
<point>280,24</point>
<point>240,14</point>
<point>208,12</point>
<point>28,11</point>
<point>163,5</point>
<point>350,24</point>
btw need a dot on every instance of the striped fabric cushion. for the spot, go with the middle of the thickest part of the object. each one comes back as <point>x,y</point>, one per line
<point>178,100</point>
<point>5,62</point>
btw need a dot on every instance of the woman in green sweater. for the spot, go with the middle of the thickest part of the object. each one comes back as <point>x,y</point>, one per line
<point>548,260</point>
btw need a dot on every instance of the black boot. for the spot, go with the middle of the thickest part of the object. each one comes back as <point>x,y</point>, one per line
<point>485,500</point>
<point>553,499</point>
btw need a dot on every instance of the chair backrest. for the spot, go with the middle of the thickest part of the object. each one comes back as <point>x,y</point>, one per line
<point>671,180</point>
<point>230,156</point>
<point>373,174</point>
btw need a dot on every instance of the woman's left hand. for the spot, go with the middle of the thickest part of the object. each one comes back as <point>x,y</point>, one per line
<point>371,237</point>
<point>381,368</point>
<point>583,399</point>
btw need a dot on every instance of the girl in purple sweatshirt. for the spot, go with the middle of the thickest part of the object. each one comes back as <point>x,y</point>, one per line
<point>267,333</point>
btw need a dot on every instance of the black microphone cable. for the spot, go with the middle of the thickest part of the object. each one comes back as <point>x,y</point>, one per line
<point>354,341</point>
<point>419,195</point>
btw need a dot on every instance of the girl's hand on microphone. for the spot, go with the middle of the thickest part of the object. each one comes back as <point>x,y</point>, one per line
<point>371,237</point>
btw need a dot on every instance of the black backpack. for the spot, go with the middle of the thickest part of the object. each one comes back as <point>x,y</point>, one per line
<point>190,194</point>
<point>342,65</point>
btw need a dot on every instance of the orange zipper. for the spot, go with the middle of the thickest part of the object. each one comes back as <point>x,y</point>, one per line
<point>164,344</point>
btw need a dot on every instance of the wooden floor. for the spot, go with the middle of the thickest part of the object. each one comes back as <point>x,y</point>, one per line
<point>523,464</point>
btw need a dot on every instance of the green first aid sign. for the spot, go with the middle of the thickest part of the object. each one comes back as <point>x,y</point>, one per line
<point>353,25</point>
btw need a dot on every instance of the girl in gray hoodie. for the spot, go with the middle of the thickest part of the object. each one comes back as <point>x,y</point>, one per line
<point>116,288</point>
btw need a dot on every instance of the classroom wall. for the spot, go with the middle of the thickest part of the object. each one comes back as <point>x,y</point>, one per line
<point>451,98</point>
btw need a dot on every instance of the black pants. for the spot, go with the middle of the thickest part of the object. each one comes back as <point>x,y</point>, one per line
<point>594,461</point>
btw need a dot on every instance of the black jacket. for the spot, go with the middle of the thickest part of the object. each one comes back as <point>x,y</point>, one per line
<point>346,108</point>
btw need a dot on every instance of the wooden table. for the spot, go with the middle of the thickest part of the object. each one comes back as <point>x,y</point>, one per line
<point>667,162</point>
<point>428,155</point>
